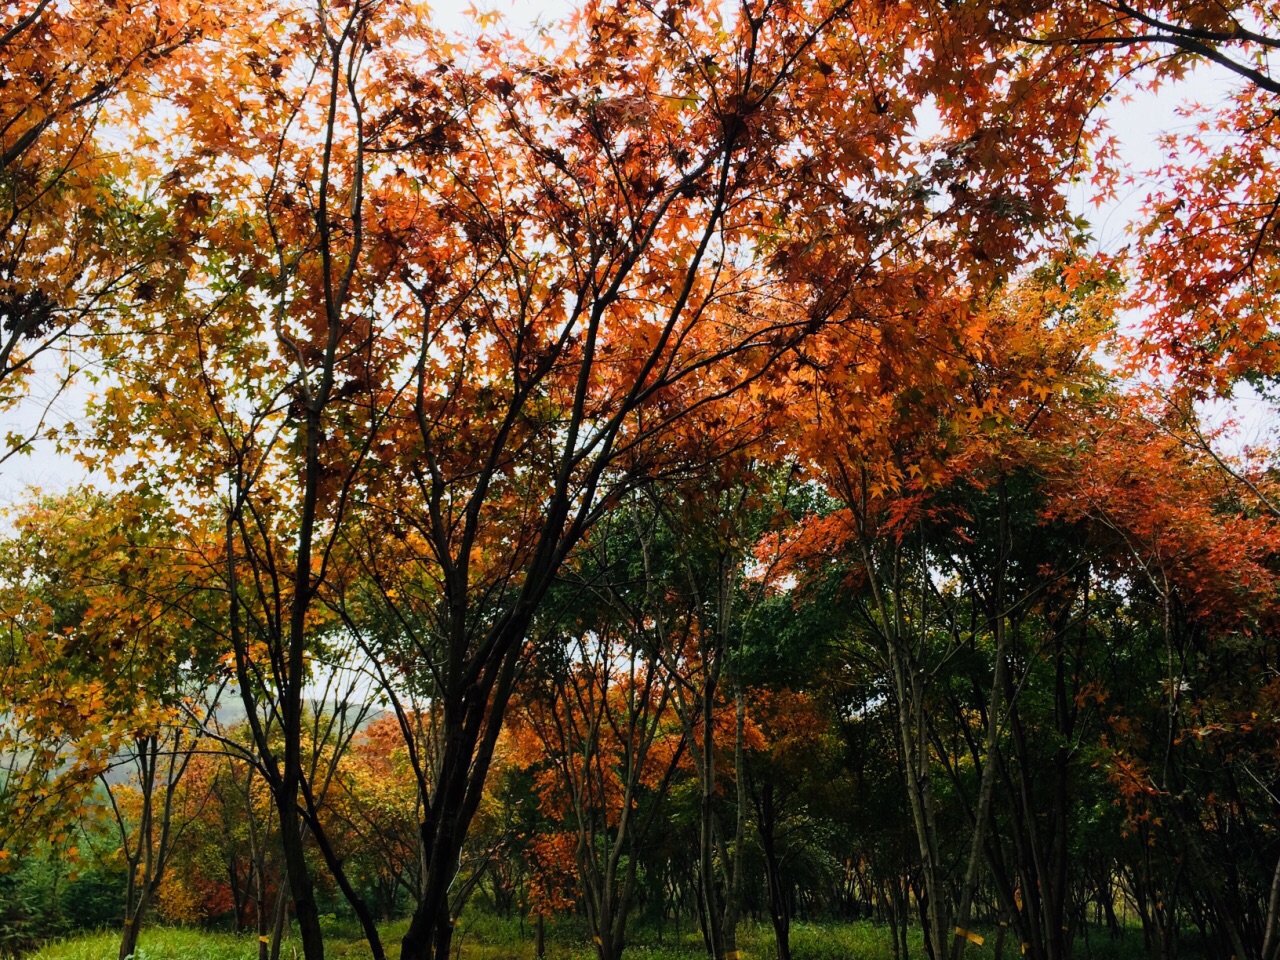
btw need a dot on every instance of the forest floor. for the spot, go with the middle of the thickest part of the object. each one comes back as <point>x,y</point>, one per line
<point>487,938</point>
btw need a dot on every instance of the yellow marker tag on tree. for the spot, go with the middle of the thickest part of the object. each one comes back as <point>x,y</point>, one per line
<point>970,936</point>
<point>264,939</point>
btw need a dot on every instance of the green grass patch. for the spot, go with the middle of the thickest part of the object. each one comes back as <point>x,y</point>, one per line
<point>158,943</point>
<point>484,937</point>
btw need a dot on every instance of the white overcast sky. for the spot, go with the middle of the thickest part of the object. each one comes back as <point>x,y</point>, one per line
<point>1138,124</point>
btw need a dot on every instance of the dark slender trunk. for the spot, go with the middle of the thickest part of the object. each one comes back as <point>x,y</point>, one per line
<point>432,915</point>
<point>367,921</point>
<point>239,894</point>
<point>305,910</point>
<point>708,890</point>
<point>779,906</point>
<point>128,939</point>
<point>891,911</point>
<point>262,920</point>
<point>278,921</point>
<point>472,721</point>
<point>1106,895</point>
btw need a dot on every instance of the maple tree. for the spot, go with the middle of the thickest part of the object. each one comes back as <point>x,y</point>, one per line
<point>1204,254</point>
<point>1205,561</point>
<point>552,391</point>
<point>110,666</point>
<point>598,728</point>
<point>715,526</point>
<point>229,863</point>
<point>791,770</point>
<point>887,464</point>
<point>277,350</point>
<point>74,236</point>
<point>150,817</point>
<point>89,581</point>
<point>377,804</point>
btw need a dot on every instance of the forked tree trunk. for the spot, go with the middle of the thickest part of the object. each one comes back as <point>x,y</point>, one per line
<point>472,722</point>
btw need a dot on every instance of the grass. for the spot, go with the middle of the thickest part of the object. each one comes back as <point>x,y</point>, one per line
<point>157,943</point>
<point>482,937</point>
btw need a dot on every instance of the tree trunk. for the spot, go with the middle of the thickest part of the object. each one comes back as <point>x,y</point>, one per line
<point>472,722</point>
<point>300,886</point>
<point>128,939</point>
